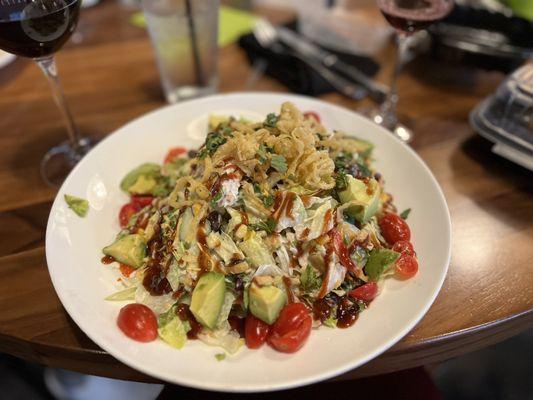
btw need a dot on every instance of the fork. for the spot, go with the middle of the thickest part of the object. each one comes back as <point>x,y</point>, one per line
<point>267,37</point>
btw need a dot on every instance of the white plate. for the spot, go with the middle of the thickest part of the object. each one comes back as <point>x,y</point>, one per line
<point>73,252</point>
<point>6,58</point>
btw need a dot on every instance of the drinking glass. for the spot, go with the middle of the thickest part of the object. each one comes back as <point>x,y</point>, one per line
<point>184,36</point>
<point>407,17</point>
<point>37,29</point>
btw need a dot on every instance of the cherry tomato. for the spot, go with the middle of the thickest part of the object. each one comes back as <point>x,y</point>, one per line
<point>294,339</point>
<point>394,228</point>
<point>291,329</point>
<point>126,270</point>
<point>138,322</point>
<point>312,114</point>
<point>366,292</point>
<point>173,153</point>
<point>406,266</point>
<point>290,317</point>
<point>255,332</point>
<point>126,212</point>
<point>403,246</point>
<point>342,252</point>
<point>142,201</point>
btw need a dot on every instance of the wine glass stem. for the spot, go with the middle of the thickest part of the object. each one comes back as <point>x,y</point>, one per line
<point>388,108</point>
<point>48,66</point>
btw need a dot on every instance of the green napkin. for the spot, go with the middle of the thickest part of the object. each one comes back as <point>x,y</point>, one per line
<point>233,23</point>
<point>523,8</point>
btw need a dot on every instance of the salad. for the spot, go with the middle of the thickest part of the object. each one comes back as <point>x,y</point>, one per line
<point>269,230</point>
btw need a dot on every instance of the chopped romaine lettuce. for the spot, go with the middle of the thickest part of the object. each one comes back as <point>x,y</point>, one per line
<point>158,304</point>
<point>224,247</point>
<point>172,329</point>
<point>229,298</point>
<point>318,222</point>
<point>379,261</point>
<point>223,336</point>
<point>309,279</point>
<point>123,295</point>
<point>256,251</point>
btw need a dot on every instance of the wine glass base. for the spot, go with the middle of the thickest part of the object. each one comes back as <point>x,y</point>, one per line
<point>59,160</point>
<point>392,124</point>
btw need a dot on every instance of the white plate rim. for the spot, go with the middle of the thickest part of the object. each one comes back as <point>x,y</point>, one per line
<point>260,387</point>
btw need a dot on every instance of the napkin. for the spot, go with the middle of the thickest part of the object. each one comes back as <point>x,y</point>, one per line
<point>295,74</point>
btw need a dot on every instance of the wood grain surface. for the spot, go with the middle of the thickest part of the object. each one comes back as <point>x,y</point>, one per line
<point>109,76</point>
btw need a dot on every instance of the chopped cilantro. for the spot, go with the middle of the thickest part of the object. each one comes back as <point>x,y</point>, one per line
<point>340,182</point>
<point>262,153</point>
<point>216,198</point>
<point>268,200</point>
<point>268,226</point>
<point>271,120</point>
<point>212,142</point>
<point>279,163</point>
<point>405,213</point>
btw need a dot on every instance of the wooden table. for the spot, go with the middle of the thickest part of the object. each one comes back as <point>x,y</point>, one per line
<point>110,78</point>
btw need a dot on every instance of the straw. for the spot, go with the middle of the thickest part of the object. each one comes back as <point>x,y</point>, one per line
<point>194,45</point>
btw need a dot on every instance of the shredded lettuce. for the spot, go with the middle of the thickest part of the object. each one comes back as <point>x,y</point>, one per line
<point>123,295</point>
<point>172,329</point>
<point>223,336</point>
<point>309,279</point>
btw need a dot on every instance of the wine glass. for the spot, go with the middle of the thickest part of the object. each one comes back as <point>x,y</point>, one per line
<point>37,29</point>
<point>407,17</point>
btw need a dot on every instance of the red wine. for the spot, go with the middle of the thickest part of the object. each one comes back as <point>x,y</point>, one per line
<point>36,28</point>
<point>410,16</point>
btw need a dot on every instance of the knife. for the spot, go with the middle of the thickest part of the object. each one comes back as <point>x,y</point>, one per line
<point>376,90</point>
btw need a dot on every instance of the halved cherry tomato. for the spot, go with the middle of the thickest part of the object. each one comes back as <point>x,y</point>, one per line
<point>142,201</point>
<point>294,339</point>
<point>126,270</point>
<point>342,252</point>
<point>394,228</point>
<point>291,316</point>
<point>255,332</point>
<point>138,322</point>
<point>126,212</point>
<point>366,292</point>
<point>406,266</point>
<point>403,246</point>
<point>291,329</point>
<point>173,153</point>
<point>312,114</point>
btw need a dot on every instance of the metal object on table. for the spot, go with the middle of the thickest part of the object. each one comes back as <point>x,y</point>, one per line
<point>267,37</point>
<point>377,91</point>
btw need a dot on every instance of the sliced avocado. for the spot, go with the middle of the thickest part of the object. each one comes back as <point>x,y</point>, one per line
<point>208,298</point>
<point>380,260</point>
<point>129,250</point>
<point>143,185</point>
<point>266,302</point>
<point>148,170</point>
<point>256,251</point>
<point>366,195</point>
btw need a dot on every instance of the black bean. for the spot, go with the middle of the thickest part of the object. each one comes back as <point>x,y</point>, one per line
<point>215,220</point>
